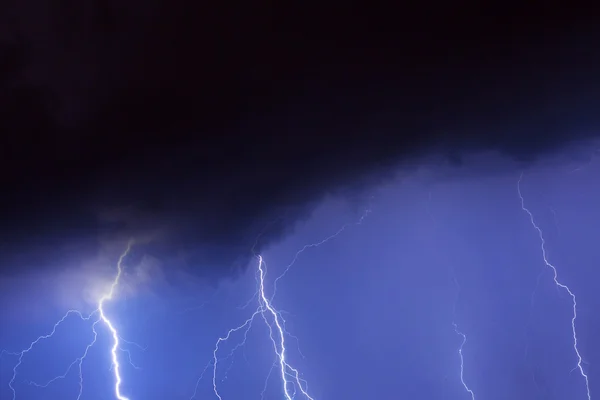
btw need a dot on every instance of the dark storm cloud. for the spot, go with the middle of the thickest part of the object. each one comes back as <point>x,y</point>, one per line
<point>202,125</point>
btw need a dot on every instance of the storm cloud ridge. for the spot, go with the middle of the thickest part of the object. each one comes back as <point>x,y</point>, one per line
<point>198,145</point>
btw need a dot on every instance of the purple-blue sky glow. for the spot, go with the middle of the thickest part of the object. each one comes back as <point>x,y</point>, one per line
<point>370,313</point>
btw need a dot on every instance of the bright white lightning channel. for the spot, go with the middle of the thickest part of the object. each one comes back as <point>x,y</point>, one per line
<point>99,316</point>
<point>290,378</point>
<point>579,365</point>
<point>115,334</point>
<point>289,375</point>
<point>280,352</point>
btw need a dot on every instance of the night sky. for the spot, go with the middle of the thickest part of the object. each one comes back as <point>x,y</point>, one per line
<point>273,202</point>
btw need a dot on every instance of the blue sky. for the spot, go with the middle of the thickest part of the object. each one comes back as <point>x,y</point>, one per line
<point>369,313</point>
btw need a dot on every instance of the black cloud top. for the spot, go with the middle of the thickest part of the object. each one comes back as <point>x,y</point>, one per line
<point>206,122</point>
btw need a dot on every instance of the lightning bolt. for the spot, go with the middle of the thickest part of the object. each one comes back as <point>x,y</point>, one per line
<point>460,353</point>
<point>290,377</point>
<point>454,324</point>
<point>115,335</point>
<point>99,315</point>
<point>558,285</point>
<point>279,350</point>
<point>462,344</point>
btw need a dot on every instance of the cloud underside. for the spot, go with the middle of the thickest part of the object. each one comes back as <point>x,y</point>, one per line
<point>196,155</point>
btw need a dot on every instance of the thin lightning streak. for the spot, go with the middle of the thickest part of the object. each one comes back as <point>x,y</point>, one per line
<point>462,344</point>
<point>126,351</point>
<point>262,394</point>
<point>237,346</point>
<point>79,361</point>
<point>44,337</point>
<point>291,335</point>
<point>460,353</point>
<point>139,346</point>
<point>317,244</point>
<point>199,379</point>
<point>454,324</point>
<point>10,353</point>
<point>558,284</point>
<point>224,339</point>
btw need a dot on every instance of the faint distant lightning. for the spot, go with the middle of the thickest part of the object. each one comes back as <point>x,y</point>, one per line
<point>462,344</point>
<point>262,394</point>
<point>316,244</point>
<point>558,284</point>
<point>460,353</point>
<point>454,324</point>
<point>101,316</point>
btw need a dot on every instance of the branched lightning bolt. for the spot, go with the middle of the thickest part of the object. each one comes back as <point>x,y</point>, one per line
<point>78,361</point>
<point>290,376</point>
<point>559,285</point>
<point>462,344</point>
<point>99,315</point>
<point>128,352</point>
<point>246,325</point>
<point>278,346</point>
<point>291,381</point>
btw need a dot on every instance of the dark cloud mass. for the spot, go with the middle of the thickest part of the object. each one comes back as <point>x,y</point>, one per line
<point>200,124</point>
